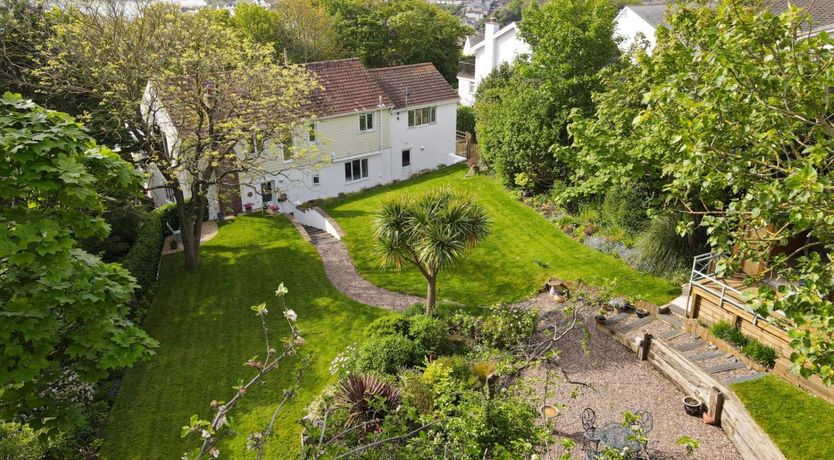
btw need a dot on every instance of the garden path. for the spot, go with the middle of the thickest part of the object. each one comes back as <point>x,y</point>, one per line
<point>343,275</point>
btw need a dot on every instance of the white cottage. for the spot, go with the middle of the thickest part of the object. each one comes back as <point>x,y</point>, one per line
<point>372,127</point>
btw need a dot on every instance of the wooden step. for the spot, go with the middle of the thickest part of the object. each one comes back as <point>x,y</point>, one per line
<point>744,378</point>
<point>616,318</point>
<point>725,367</point>
<point>690,345</point>
<point>636,324</point>
<point>706,355</point>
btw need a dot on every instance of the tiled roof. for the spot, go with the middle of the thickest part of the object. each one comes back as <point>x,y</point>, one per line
<point>348,87</point>
<point>423,83</point>
<point>821,11</point>
<point>651,13</point>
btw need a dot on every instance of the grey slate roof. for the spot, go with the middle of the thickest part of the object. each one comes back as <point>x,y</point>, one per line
<point>653,13</point>
<point>821,12</point>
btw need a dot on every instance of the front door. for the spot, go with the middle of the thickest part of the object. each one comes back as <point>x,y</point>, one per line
<point>266,192</point>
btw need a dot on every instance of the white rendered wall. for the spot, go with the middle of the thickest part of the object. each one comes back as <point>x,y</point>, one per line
<point>430,144</point>
<point>628,25</point>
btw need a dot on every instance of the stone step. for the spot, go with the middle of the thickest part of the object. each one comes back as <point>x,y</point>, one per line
<point>674,333</point>
<point>725,367</point>
<point>636,324</point>
<point>690,345</point>
<point>672,320</point>
<point>706,355</point>
<point>744,378</point>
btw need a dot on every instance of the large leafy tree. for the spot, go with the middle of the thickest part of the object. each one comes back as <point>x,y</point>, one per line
<point>430,232</point>
<point>65,323</point>
<point>386,34</point>
<point>301,30</point>
<point>734,119</point>
<point>220,88</point>
<point>522,125</point>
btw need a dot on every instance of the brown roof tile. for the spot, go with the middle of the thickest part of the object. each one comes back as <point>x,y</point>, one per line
<point>423,82</point>
<point>348,87</point>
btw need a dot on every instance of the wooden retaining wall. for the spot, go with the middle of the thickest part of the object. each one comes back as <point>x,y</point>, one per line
<point>750,440</point>
<point>707,309</point>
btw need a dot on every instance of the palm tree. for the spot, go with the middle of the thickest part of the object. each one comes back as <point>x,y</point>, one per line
<point>431,231</point>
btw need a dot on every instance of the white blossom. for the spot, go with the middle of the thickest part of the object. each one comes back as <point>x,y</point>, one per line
<point>290,314</point>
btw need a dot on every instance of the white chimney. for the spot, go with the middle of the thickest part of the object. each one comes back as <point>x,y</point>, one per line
<point>490,58</point>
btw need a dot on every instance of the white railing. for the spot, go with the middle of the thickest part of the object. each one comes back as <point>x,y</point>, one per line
<point>703,272</point>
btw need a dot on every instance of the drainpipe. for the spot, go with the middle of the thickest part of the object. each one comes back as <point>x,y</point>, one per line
<point>381,106</point>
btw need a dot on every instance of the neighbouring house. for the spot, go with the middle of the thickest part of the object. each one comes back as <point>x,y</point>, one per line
<point>371,127</point>
<point>488,50</point>
<point>641,21</point>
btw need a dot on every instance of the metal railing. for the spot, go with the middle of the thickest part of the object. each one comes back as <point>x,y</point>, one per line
<point>703,272</point>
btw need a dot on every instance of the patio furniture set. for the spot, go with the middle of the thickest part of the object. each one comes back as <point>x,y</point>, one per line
<point>629,438</point>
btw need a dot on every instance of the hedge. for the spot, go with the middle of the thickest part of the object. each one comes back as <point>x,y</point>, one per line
<point>142,261</point>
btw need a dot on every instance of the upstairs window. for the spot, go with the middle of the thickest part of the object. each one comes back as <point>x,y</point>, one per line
<point>366,122</point>
<point>356,169</point>
<point>286,147</point>
<point>311,132</point>
<point>420,117</point>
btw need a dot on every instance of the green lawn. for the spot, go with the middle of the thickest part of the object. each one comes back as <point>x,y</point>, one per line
<point>206,332</point>
<point>800,424</point>
<point>522,251</point>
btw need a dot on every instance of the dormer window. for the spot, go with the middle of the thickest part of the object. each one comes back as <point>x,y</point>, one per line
<point>366,122</point>
<point>311,132</point>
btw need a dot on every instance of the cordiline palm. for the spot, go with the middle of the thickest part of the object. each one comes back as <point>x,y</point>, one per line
<point>430,232</point>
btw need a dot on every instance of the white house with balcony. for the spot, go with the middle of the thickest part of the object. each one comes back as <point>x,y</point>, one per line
<point>490,49</point>
<point>372,127</point>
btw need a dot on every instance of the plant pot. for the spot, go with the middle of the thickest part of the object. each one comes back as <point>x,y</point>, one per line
<point>600,318</point>
<point>693,406</point>
<point>642,312</point>
<point>548,411</point>
<point>221,217</point>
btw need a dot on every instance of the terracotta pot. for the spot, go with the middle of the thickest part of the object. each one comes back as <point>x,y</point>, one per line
<point>642,312</point>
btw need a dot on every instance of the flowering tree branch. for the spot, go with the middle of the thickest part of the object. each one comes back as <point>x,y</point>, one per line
<point>212,431</point>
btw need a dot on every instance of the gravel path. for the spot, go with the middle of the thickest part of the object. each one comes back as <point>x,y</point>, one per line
<point>343,275</point>
<point>618,382</point>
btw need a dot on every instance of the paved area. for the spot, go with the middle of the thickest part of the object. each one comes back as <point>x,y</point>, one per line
<point>208,231</point>
<point>613,381</point>
<point>343,275</point>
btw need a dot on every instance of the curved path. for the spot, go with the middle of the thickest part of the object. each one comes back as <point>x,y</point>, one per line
<point>343,275</point>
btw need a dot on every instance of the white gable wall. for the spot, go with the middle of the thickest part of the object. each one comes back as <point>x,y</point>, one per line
<point>628,26</point>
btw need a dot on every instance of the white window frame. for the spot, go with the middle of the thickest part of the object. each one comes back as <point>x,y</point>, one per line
<point>367,116</point>
<point>422,116</point>
<point>363,167</point>
<point>312,132</point>
<point>472,87</point>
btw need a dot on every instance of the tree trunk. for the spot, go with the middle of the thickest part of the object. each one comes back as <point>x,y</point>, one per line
<point>431,294</point>
<point>191,227</point>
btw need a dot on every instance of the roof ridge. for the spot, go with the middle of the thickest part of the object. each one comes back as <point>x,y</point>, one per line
<point>400,66</point>
<point>333,60</point>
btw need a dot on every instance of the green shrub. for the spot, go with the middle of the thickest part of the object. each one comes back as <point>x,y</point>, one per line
<point>449,369</point>
<point>415,392</point>
<point>723,330</point>
<point>466,120</point>
<point>431,335</point>
<point>387,354</point>
<point>125,224</point>
<point>19,442</point>
<point>389,325</point>
<point>505,327</point>
<point>661,250</point>
<point>142,261</point>
<point>760,353</point>
<point>624,208</point>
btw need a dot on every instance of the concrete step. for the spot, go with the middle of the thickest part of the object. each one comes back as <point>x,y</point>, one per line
<point>636,324</point>
<point>706,355</point>
<point>690,345</point>
<point>725,367</point>
<point>744,378</point>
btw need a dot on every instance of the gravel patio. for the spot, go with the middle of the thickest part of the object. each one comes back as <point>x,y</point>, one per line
<point>617,382</point>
